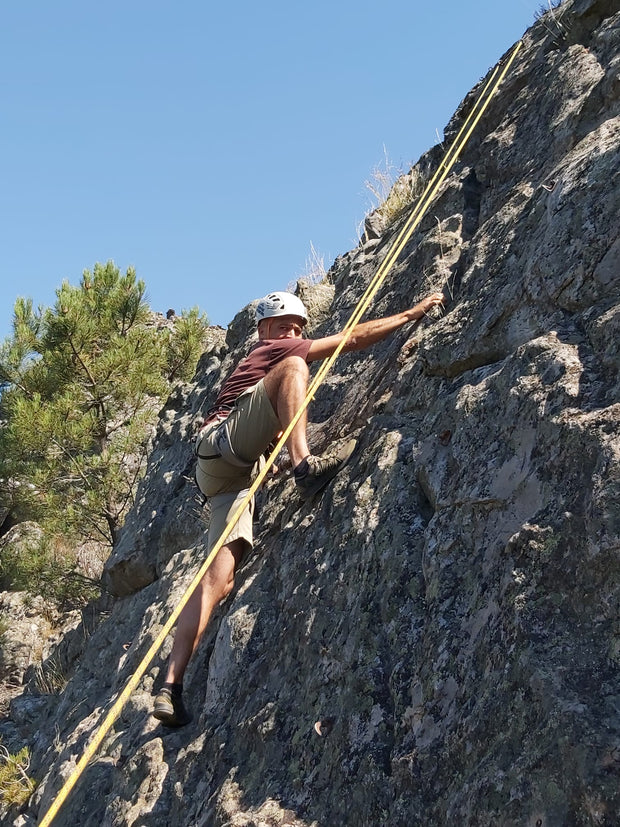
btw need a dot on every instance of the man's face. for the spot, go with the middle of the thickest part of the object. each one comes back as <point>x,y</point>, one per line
<point>284,327</point>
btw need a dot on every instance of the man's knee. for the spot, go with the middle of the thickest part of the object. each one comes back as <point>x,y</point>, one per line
<point>218,584</point>
<point>228,587</point>
<point>290,368</point>
<point>292,364</point>
<point>221,575</point>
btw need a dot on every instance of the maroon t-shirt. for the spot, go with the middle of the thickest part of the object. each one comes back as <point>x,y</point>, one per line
<point>262,358</point>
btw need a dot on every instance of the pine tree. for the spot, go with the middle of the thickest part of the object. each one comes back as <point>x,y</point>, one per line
<point>82,383</point>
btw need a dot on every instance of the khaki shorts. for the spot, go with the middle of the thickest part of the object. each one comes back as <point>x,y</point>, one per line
<point>252,425</point>
<point>223,507</point>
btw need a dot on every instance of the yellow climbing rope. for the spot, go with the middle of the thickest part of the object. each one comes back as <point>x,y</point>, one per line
<point>402,238</point>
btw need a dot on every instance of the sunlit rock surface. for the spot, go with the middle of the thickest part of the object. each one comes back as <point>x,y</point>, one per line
<point>436,639</point>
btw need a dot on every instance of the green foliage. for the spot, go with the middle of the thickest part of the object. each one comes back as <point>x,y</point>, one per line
<point>184,346</point>
<point>43,565</point>
<point>16,786</point>
<point>83,382</point>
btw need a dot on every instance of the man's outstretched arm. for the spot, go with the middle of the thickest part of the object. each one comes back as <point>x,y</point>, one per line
<point>368,333</point>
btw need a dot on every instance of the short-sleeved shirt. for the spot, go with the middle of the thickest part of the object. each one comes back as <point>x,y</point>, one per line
<point>264,356</point>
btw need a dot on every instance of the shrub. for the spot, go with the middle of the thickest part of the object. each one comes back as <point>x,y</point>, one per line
<point>81,385</point>
<point>39,565</point>
<point>16,786</point>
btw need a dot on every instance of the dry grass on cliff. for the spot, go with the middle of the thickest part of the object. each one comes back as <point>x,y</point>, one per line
<point>50,677</point>
<point>551,15</point>
<point>393,190</point>
<point>314,271</point>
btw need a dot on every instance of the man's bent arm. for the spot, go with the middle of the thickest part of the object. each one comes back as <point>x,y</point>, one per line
<point>368,333</point>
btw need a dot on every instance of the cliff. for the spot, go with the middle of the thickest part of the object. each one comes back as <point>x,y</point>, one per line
<point>436,639</point>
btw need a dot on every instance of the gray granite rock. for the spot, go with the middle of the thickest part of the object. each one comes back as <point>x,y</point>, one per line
<point>435,640</point>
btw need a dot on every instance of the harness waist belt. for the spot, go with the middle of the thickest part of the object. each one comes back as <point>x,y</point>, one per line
<point>222,443</point>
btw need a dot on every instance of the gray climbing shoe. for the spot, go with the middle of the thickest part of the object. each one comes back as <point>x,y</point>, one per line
<point>170,709</point>
<point>313,473</point>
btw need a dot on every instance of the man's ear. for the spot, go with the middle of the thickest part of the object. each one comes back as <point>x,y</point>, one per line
<point>263,329</point>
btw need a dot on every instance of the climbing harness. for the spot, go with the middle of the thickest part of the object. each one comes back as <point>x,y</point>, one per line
<point>223,444</point>
<point>402,238</point>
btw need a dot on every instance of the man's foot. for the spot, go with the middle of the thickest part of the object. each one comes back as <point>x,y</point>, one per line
<point>169,707</point>
<point>313,473</point>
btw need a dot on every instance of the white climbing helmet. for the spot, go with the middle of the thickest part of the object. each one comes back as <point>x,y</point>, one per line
<point>280,304</point>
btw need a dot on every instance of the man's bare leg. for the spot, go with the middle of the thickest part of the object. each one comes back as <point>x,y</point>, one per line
<point>216,584</point>
<point>286,385</point>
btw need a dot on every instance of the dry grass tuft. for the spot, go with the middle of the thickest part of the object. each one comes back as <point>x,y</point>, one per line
<point>393,191</point>
<point>314,271</point>
<point>50,678</point>
<point>551,15</point>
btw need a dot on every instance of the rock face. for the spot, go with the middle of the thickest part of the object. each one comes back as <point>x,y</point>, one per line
<point>436,639</point>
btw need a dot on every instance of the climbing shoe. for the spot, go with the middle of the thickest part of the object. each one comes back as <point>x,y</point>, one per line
<point>169,707</point>
<point>313,473</point>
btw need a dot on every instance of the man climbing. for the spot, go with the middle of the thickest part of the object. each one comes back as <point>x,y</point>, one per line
<point>256,402</point>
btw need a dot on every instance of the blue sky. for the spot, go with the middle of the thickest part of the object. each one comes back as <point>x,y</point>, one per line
<point>208,145</point>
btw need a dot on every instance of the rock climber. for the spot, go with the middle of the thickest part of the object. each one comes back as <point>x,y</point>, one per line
<point>257,401</point>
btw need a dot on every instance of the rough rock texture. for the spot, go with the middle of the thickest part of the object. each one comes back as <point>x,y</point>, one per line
<point>436,640</point>
<point>31,627</point>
